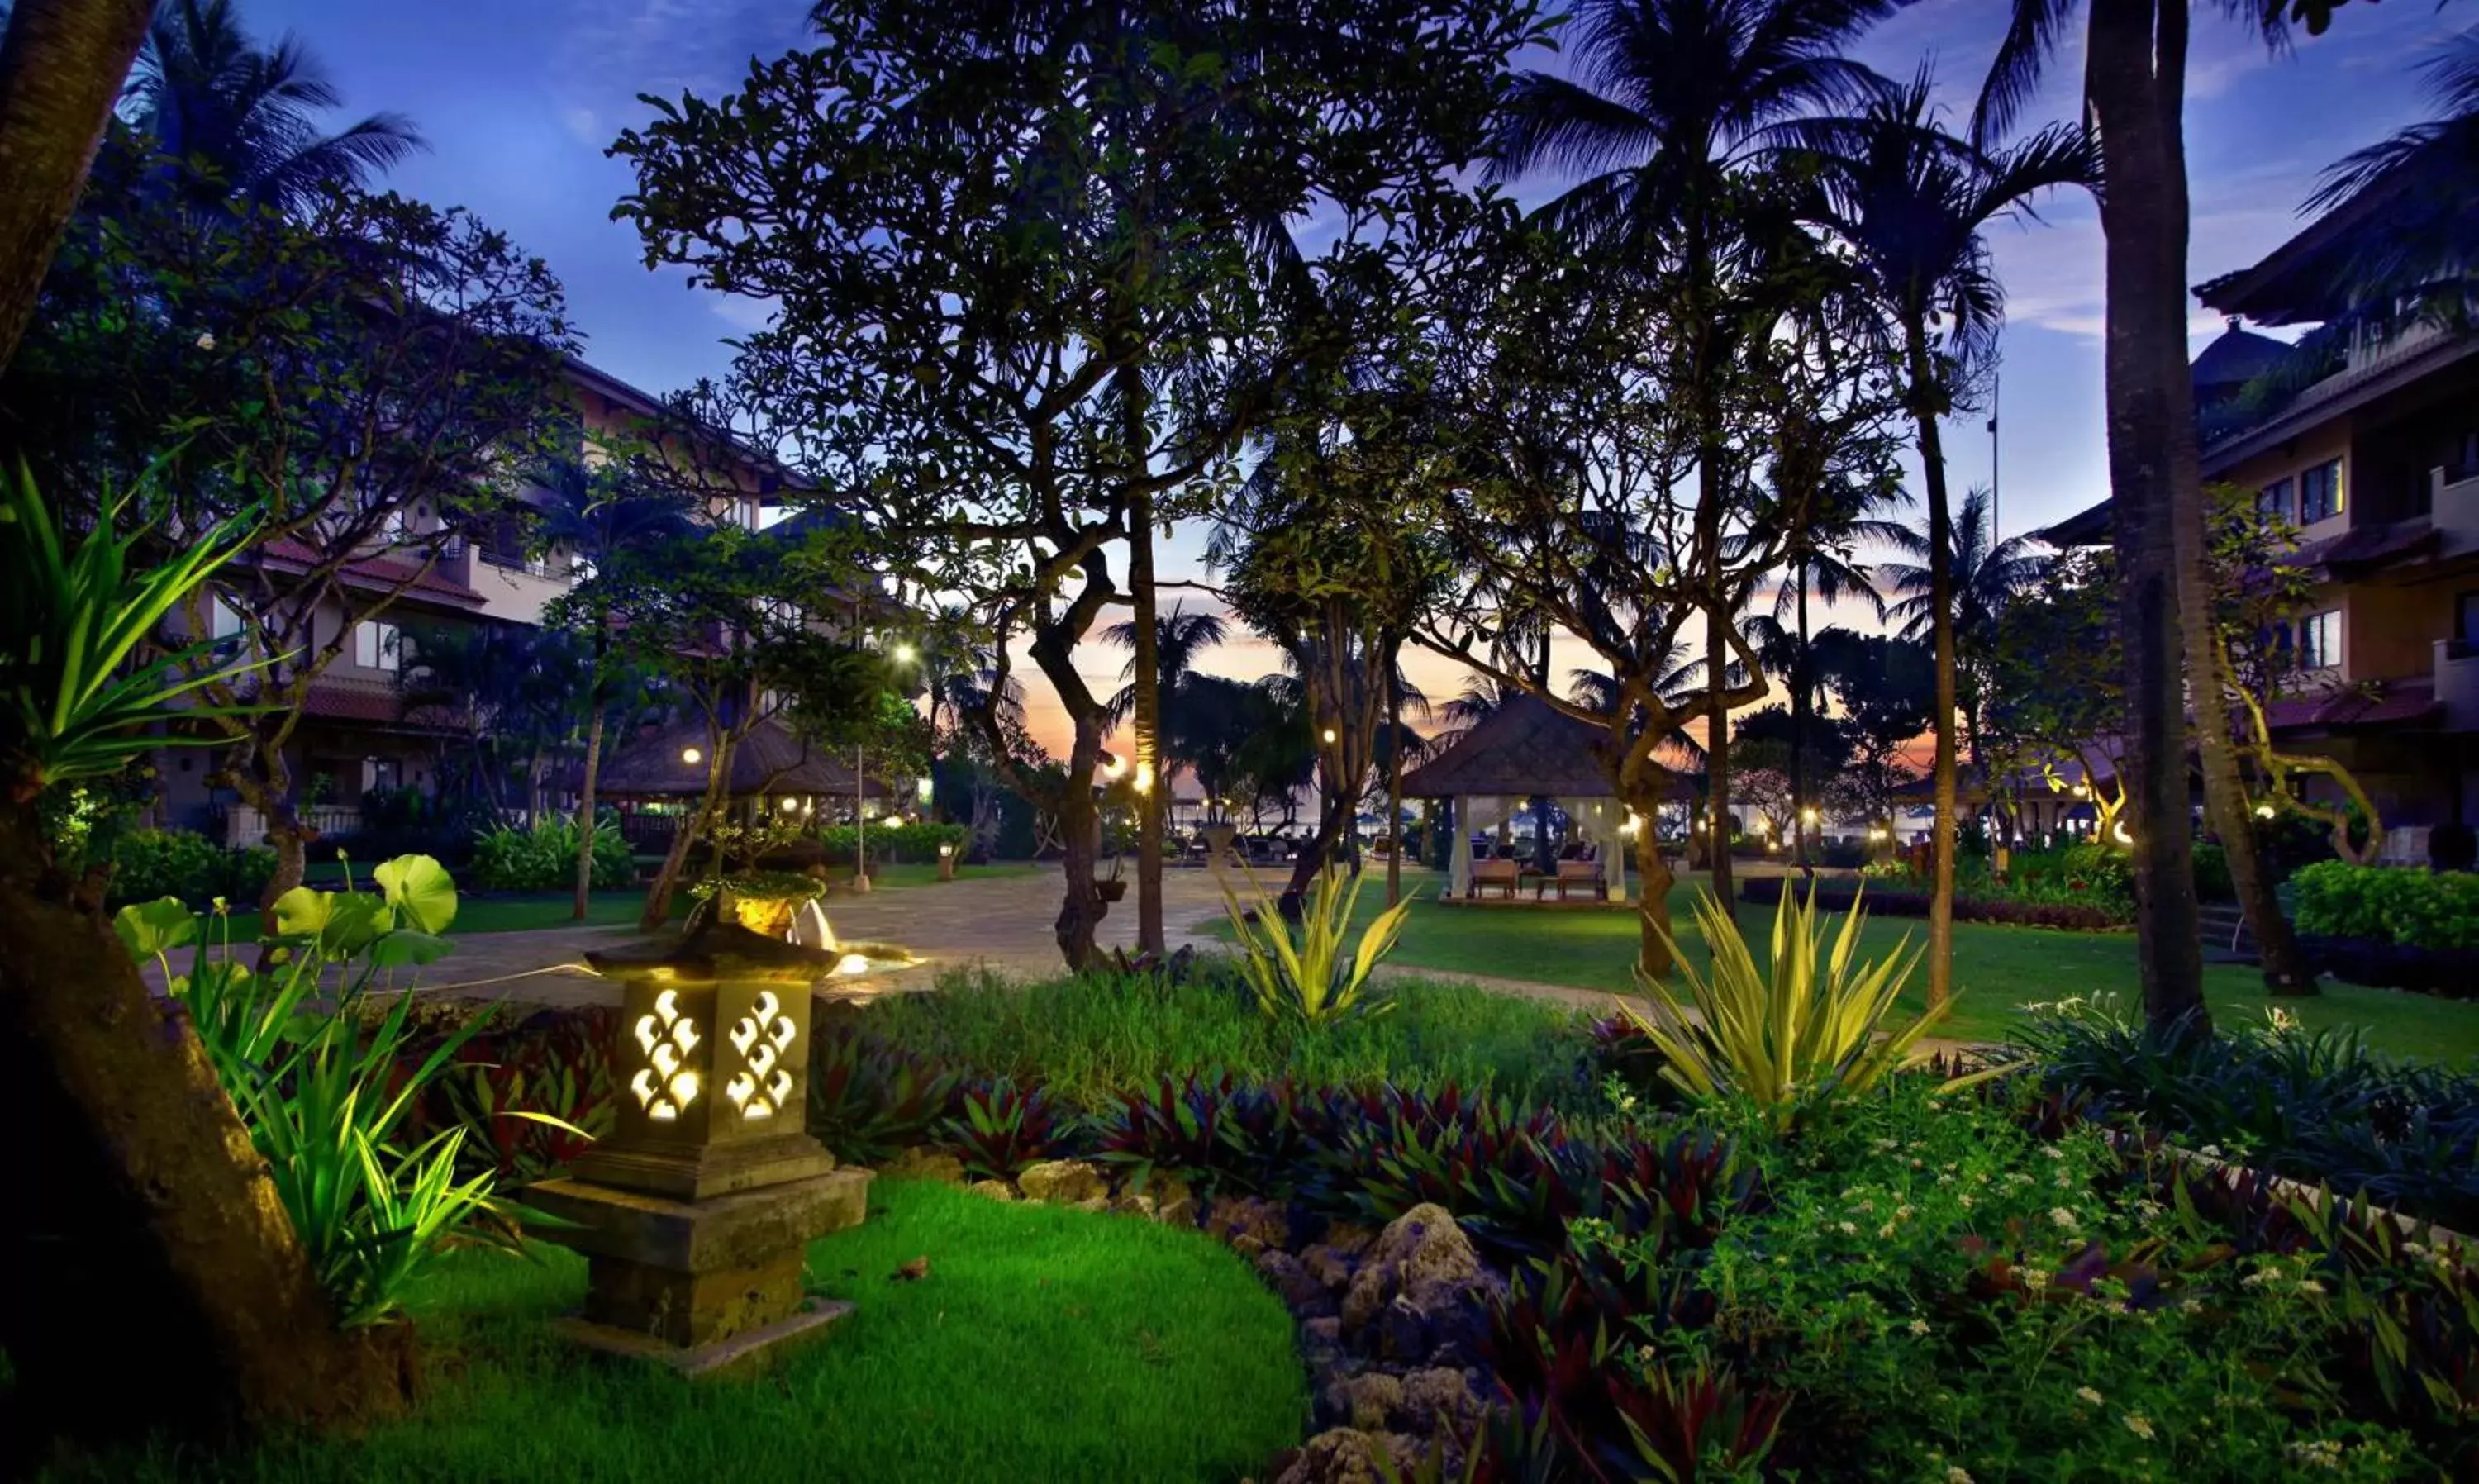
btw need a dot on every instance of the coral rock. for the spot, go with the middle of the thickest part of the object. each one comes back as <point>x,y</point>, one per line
<point>995,1189</point>
<point>1366,1296</point>
<point>925,1163</point>
<point>1441,1400</point>
<point>1328,1266</point>
<point>1231,1218</point>
<point>1372,1401</point>
<point>1063,1183</point>
<point>1345,1455</point>
<point>1426,1245</point>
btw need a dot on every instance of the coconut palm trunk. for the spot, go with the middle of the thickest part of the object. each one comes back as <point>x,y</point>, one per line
<point>61,71</point>
<point>1942,833</point>
<point>585,803</point>
<point>1802,706</point>
<point>1716,756</point>
<point>2134,81</point>
<point>1146,714</point>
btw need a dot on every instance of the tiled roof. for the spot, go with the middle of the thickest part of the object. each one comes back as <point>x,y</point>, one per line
<point>2394,702</point>
<point>377,572</point>
<point>1525,746</point>
<point>2364,545</point>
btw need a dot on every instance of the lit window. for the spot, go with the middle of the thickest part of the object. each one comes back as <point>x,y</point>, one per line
<point>2319,643</point>
<point>2320,492</point>
<point>377,647</point>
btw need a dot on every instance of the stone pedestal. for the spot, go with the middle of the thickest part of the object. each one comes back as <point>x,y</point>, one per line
<point>699,1284</point>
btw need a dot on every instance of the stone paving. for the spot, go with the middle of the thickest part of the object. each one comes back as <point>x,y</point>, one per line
<point>999,924</point>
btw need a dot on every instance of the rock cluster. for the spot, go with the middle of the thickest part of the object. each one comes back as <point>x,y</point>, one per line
<point>1391,1326</point>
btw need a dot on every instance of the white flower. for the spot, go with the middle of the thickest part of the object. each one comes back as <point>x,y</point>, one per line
<point>2089,1394</point>
<point>1966,1202</point>
<point>2138,1425</point>
<point>1958,1475</point>
<point>1886,1230</point>
<point>2320,1453</point>
<point>2051,1151</point>
<point>205,339</point>
<point>1919,1326</point>
<point>1849,1230</point>
<point>2034,1278</point>
<point>2310,1285</point>
<point>2061,1217</point>
<point>2210,1151</point>
<point>2191,1305</point>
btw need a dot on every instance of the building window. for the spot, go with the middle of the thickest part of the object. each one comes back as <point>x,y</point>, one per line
<point>377,646</point>
<point>2320,492</point>
<point>224,620</point>
<point>2318,642</point>
<point>2273,500</point>
<point>2466,618</point>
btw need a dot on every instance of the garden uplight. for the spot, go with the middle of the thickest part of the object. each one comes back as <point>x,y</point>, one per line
<point>924,789</point>
<point>2264,811</point>
<point>1329,735</point>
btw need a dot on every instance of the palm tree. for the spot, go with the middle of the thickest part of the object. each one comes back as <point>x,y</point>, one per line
<point>1179,638</point>
<point>1670,99</point>
<point>1911,201</point>
<point>1822,563</point>
<point>599,519</point>
<point>1985,577</point>
<point>208,95</point>
<point>2420,266</point>
<point>2134,81</point>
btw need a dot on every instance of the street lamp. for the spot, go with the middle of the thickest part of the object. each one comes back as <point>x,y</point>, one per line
<point>692,756</point>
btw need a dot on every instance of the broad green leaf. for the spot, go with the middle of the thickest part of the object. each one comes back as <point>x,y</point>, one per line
<point>406,946</point>
<point>150,929</point>
<point>421,889</point>
<point>304,912</point>
<point>355,920</point>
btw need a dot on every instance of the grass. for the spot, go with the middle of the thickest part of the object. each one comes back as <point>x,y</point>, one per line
<point>1045,1343</point>
<point>520,911</point>
<point>1086,1038</point>
<point>1998,970</point>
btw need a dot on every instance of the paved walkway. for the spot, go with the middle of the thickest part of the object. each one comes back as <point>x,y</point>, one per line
<point>998,924</point>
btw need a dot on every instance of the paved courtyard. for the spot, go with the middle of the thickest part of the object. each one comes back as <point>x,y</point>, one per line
<point>999,924</point>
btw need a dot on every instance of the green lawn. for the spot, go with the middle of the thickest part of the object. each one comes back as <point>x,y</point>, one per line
<point>1997,969</point>
<point>1044,1344</point>
<point>519,912</point>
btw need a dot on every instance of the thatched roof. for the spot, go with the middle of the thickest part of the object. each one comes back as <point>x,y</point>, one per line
<point>769,761</point>
<point>1524,748</point>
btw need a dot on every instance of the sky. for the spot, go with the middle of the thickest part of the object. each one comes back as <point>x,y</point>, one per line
<point>517,100</point>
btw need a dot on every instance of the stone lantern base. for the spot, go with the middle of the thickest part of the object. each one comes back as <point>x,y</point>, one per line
<point>700,1286</point>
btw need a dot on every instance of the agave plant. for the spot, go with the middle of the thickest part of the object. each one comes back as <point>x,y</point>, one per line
<point>76,693</point>
<point>1807,1026</point>
<point>1311,977</point>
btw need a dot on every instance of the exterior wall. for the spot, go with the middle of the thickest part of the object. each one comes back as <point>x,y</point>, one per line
<point>2324,443</point>
<point>2390,633</point>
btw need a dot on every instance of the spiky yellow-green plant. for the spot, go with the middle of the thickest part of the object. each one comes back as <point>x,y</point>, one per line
<point>1310,978</point>
<point>1806,1026</point>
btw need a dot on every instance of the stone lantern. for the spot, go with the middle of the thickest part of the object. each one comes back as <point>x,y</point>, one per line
<point>695,1212</point>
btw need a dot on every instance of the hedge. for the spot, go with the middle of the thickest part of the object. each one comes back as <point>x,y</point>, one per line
<point>2393,905</point>
<point>1894,902</point>
<point>151,864</point>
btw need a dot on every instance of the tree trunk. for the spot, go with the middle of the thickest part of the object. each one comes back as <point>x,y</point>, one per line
<point>585,822</point>
<point>61,72</point>
<point>2135,79</point>
<point>1151,786</point>
<point>1716,756</point>
<point>1800,704</point>
<point>1926,404</point>
<point>154,1278</point>
<point>1393,790</point>
<point>1642,787</point>
<point>667,881</point>
<point>1081,908</point>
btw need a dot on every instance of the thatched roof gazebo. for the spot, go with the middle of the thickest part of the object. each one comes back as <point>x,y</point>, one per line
<point>1525,749</point>
<point>770,762</point>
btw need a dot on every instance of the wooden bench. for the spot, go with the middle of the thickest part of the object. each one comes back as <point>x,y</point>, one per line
<point>1577,874</point>
<point>1499,876</point>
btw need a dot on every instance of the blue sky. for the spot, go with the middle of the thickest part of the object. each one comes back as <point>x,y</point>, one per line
<point>518,99</point>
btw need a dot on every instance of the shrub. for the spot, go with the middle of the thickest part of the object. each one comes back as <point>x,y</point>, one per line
<point>2317,1106</point>
<point>556,1063</point>
<point>543,857</point>
<point>868,1100</point>
<point>1307,977</point>
<point>892,843</point>
<point>151,864</point>
<point>324,1092</point>
<point>1801,1031</point>
<point>2389,905</point>
<point>1002,1129</point>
